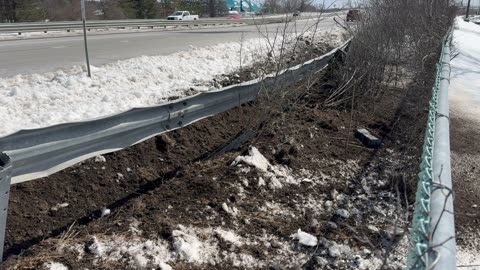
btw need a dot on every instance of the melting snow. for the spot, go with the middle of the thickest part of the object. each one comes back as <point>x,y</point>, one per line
<point>54,266</point>
<point>276,175</point>
<point>464,79</point>
<point>40,100</point>
<point>305,239</point>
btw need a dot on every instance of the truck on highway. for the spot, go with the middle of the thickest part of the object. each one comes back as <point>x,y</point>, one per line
<point>182,16</point>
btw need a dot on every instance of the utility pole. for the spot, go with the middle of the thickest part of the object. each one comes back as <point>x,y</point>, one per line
<point>468,9</point>
<point>82,2</point>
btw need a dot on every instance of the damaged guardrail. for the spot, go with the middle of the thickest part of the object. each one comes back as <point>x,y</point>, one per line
<point>31,154</point>
<point>5,177</point>
<point>433,244</point>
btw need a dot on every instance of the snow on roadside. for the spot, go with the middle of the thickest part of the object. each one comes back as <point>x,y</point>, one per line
<point>464,89</point>
<point>464,98</point>
<point>40,100</point>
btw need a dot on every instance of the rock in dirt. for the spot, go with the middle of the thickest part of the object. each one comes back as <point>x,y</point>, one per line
<point>59,206</point>
<point>100,159</point>
<point>277,267</point>
<point>342,213</point>
<point>322,262</point>
<point>367,138</point>
<point>393,232</point>
<point>332,225</point>
<point>334,251</point>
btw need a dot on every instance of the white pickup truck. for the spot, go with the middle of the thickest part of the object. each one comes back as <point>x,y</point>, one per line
<point>182,16</point>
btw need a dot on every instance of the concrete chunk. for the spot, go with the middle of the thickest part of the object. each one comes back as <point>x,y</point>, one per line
<point>367,138</point>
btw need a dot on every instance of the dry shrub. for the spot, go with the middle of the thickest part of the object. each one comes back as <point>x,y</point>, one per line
<point>392,38</point>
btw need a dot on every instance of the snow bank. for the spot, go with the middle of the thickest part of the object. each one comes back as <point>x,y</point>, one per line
<point>40,100</point>
<point>464,89</point>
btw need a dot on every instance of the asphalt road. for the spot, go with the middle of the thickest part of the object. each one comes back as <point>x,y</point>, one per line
<point>33,56</point>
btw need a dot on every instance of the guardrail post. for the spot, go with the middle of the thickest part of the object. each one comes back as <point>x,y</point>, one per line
<point>442,224</point>
<point>5,177</point>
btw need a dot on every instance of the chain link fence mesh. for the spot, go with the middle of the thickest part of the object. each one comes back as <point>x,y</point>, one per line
<point>417,256</point>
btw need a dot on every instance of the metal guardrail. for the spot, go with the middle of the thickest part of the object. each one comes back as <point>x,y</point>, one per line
<point>139,23</point>
<point>91,25</point>
<point>31,154</point>
<point>433,229</point>
<point>107,24</point>
<point>5,177</point>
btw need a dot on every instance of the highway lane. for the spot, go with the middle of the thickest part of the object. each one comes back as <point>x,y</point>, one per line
<point>33,56</point>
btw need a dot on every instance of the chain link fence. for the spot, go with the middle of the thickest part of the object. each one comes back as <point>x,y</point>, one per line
<point>421,254</point>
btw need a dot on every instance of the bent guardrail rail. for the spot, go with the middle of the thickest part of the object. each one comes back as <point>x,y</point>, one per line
<point>433,244</point>
<point>5,174</point>
<point>40,152</point>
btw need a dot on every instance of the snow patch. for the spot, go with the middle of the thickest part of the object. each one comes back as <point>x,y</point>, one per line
<point>189,247</point>
<point>105,212</point>
<point>305,239</point>
<point>465,69</point>
<point>59,206</point>
<point>277,175</point>
<point>230,210</point>
<point>164,266</point>
<point>229,236</point>
<point>54,266</point>
<point>255,159</point>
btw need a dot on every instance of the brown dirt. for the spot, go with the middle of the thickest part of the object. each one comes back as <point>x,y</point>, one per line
<point>465,172</point>
<point>168,181</point>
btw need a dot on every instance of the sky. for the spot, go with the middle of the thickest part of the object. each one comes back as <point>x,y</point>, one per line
<point>474,3</point>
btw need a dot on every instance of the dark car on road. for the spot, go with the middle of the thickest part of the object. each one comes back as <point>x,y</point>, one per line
<point>353,15</point>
